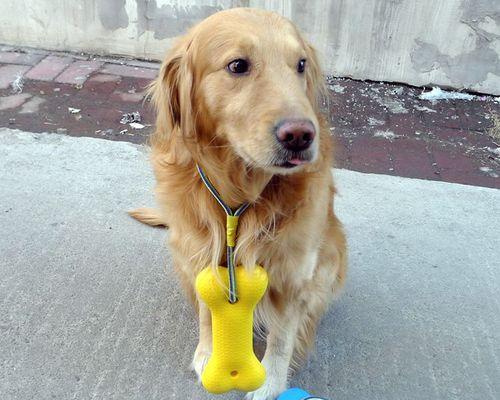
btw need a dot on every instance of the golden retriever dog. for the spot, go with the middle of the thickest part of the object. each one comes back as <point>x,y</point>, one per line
<point>239,95</point>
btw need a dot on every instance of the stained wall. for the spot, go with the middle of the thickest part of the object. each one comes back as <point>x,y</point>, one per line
<point>452,43</point>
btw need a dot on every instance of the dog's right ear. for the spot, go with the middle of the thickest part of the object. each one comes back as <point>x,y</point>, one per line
<point>171,96</point>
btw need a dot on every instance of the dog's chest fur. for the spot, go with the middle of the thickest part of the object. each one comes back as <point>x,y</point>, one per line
<point>281,231</point>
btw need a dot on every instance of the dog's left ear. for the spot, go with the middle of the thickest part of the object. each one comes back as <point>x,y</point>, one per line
<point>316,89</point>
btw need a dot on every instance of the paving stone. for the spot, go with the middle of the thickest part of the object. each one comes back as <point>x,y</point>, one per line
<point>131,62</point>
<point>342,152</point>
<point>49,68</point>
<point>13,101</point>
<point>452,161</point>
<point>371,155</point>
<point>104,78</point>
<point>32,105</point>
<point>78,72</point>
<point>10,57</point>
<point>130,71</point>
<point>144,64</point>
<point>411,158</point>
<point>8,73</point>
<point>460,168</point>
<point>99,90</point>
<point>128,97</point>
<point>132,85</point>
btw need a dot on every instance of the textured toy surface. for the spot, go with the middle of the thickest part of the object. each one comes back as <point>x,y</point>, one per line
<point>297,394</point>
<point>233,364</point>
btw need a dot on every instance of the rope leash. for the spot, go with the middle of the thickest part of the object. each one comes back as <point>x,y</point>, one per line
<point>232,218</point>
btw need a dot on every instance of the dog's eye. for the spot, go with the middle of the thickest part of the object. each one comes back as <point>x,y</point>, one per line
<point>301,66</point>
<point>238,66</point>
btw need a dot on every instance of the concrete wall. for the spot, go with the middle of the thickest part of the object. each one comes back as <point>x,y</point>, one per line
<point>445,42</point>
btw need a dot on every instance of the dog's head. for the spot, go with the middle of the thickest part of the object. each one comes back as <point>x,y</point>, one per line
<point>244,80</point>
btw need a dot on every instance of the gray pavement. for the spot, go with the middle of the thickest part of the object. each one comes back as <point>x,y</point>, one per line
<point>90,307</point>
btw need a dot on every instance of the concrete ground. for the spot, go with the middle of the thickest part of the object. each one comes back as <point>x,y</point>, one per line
<point>90,307</point>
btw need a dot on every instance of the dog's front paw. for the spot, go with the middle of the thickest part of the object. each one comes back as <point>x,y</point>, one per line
<point>200,360</point>
<point>268,391</point>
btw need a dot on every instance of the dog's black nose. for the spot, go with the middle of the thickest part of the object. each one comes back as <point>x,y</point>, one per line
<point>295,134</point>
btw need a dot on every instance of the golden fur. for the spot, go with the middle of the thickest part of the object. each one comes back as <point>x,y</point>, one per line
<point>225,124</point>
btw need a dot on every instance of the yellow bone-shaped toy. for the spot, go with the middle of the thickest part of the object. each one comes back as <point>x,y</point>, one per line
<point>233,364</point>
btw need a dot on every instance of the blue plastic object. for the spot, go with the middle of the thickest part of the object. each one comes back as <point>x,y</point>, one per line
<point>297,394</point>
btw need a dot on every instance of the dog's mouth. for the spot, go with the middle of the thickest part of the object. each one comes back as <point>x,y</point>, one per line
<point>292,163</point>
<point>281,161</point>
<point>290,160</point>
